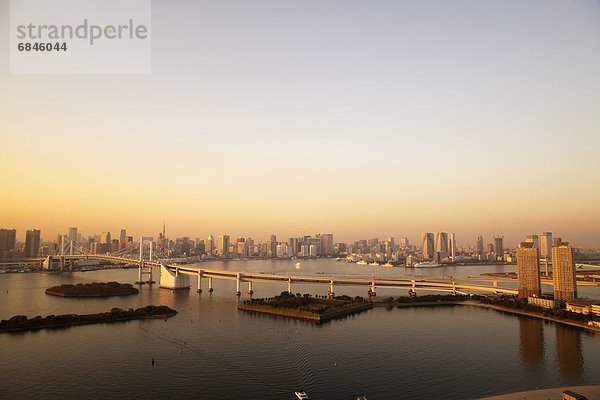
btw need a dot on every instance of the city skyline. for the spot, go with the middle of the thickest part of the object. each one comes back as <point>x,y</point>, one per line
<point>418,240</point>
<point>297,122</point>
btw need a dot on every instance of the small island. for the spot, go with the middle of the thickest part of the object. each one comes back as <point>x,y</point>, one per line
<point>22,323</point>
<point>307,307</point>
<point>96,289</point>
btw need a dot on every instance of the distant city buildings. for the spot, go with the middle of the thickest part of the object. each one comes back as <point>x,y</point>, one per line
<point>546,245</point>
<point>32,243</point>
<point>528,270</point>
<point>427,245</point>
<point>563,272</point>
<point>8,240</point>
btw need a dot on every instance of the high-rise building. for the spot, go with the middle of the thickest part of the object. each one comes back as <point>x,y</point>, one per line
<point>32,243</point>
<point>479,245</point>
<point>123,236</point>
<point>452,247</point>
<point>73,234</point>
<point>404,243</point>
<point>427,244</point>
<point>294,245</point>
<point>535,239</point>
<point>327,244</point>
<point>105,238</point>
<point>441,244</point>
<point>222,245</point>
<point>499,245</point>
<point>241,248</point>
<point>546,245</point>
<point>8,238</point>
<point>272,246</point>
<point>210,245</point>
<point>528,270</point>
<point>563,272</point>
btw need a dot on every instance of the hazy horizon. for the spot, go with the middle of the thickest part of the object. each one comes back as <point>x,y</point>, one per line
<point>363,119</point>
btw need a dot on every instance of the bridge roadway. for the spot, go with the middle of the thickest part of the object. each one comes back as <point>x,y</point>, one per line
<point>330,281</point>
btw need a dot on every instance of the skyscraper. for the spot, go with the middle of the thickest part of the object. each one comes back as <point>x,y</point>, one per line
<point>441,244</point>
<point>479,245</point>
<point>8,239</point>
<point>528,270</point>
<point>535,239</point>
<point>122,237</point>
<point>105,238</point>
<point>452,247</point>
<point>73,234</point>
<point>222,245</point>
<point>210,244</point>
<point>427,244</point>
<point>546,245</point>
<point>499,245</point>
<point>327,244</point>
<point>32,243</point>
<point>563,272</point>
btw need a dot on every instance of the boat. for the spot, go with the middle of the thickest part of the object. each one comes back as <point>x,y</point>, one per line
<point>388,265</point>
<point>375,264</point>
<point>427,264</point>
<point>301,395</point>
<point>362,262</point>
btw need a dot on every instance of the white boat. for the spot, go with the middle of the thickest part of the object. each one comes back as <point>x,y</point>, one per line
<point>388,265</point>
<point>427,264</point>
<point>362,262</point>
<point>301,395</point>
<point>375,264</point>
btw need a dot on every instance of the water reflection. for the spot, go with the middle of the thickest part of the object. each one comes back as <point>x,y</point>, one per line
<point>532,341</point>
<point>568,349</point>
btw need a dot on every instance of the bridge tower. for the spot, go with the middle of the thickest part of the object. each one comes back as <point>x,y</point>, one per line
<point>144,268</point>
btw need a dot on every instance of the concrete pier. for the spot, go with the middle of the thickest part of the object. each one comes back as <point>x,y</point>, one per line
<point>237,284</point>
<point>173,280</point>
<point>250,291</point>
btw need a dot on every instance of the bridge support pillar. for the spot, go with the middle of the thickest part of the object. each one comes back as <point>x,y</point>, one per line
<point>210,287</point>
<point>289,285</point>
<point>372,291</point>
<point>200,281</point>
<point>173,279</point>
<point>330,292</point>
<point>238,279</point>
<point>250,291</point>
<point>495,283</point>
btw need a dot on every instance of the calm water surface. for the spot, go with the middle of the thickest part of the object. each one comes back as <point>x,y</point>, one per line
<point>212,351</point>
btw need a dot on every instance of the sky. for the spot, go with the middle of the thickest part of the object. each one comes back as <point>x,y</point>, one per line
<point>363,119</point>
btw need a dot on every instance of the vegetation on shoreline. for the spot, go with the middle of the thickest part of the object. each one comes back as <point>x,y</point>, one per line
<point>22,323</point>
<point>307,307</point>
<point>96,289</point>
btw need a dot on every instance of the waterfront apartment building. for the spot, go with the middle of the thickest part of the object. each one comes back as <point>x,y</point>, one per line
<point>427,245</point>
<point>8,238</point>
<point>563,272</point>
<point>528,270</point>
<point>32,243</point>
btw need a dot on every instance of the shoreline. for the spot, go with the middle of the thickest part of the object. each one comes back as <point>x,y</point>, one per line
<point>305,315</point>
<point>590,391</point>
<point>472,303</point>
<point>21,323</point>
